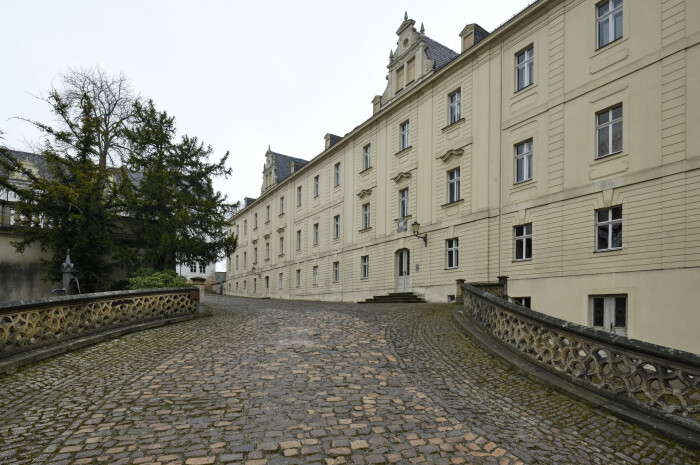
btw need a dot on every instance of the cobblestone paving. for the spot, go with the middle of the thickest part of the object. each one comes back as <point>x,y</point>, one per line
<point>278,382</point>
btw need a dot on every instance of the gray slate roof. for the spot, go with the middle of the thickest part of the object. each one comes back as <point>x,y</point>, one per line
<point>37,160</point>
<point>438,52</point>
<point>283,168</point>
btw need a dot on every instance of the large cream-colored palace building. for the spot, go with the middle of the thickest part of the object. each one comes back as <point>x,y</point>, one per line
<point>561,150</point>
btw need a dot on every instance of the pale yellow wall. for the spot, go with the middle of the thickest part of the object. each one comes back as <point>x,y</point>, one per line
<point>653,71</point>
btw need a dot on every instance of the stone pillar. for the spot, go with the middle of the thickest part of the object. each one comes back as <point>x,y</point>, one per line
<point>503,281</point>
<point>459,298</point>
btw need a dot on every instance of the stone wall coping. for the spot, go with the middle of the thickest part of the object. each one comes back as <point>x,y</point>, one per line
<point>21,305</point>
<point>635,345</point>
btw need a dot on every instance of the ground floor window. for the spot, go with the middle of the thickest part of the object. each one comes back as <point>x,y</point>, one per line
<point>452,246</point>
<point>298,278</point>
<point>609,313</point>
<point>281,280</point>
<point>315,269</point>
<point>523,301</point>
<point>365,267</point>
<point>336,272</point>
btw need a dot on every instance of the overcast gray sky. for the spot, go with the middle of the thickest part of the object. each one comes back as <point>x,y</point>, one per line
<point>238,75</point>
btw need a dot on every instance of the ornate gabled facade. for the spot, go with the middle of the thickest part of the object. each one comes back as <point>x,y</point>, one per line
<point>277,168</point>
<point>560,150</point>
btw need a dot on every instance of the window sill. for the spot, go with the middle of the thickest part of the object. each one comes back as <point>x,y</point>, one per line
<point>267,259</point>
<point>255,228</point>
<point>315,245</point>
<point>452,269</point>
<point>524,182</point>
<point>608,250</point>
<point>317,196</point>
<point>336,186</point>
<point>521,260</point>
<point>267,222</point>
<point>404,218</point>
<point>364,279</point>
<point>610,44</point>
<point>403,151</point>
<point>281,255</point>
<point>365,229</point>
<point>449,204</point>
<point>527,87</point>
<point>608,156</point>
<point>364,171</point>
<point>453,125</point>
<point>336,239</point>
<point>280,215</point>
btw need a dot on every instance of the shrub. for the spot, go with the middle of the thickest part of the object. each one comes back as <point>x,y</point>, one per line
<point>148,278</point>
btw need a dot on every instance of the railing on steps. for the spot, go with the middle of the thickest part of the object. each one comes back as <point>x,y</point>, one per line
<point>657,380</point>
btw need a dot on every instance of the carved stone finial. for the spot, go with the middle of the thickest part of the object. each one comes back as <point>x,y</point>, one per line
<point>268,147</point>
<point>422,28</point>
<point>391,54</point>
<point>405,15</point>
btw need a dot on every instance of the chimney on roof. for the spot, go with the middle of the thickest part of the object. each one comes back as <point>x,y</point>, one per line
<point>471,34</point>
<point>331,139</point>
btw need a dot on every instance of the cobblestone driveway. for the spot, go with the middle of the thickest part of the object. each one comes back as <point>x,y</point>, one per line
<point>267,382</point>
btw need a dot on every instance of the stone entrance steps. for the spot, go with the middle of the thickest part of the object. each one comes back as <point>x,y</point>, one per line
<point>395,297</point>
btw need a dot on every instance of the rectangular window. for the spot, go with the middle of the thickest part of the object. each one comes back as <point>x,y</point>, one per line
<point>609,313</point>
<point>367,156</point>
<point>202,268</point>
<point>236,285</point>
<point>245,284</point>
<point>298,278</point>
<point>281,205</point>
<point>336,170</point>
<point>609,131</point>
<point>255,255</point>
<point>267,250</point>
<point>255,285</point>
<point>336,272</point>
<point>453,185</point>
<point>336,226</point>
<point>455,106</point>
<point>245,259</point>
<point>315,233</point>
<point>237,229</point>
<point>298,240</point>
<point>281,245</point>
<point>609,21</point>
<point>403,203</point>
<point>399,78</point>
<point>365,216</point>
<point>523,161</point>
<point>410,70</point>
<point>317,186</point>
<point>245,227</point>
<point>609,228</point>
<point>452,246</point>
<point>524,68</point>
<point>522,301</point>
<point>315,269</point>
<point>365,267</point>
<point>267,213</point>
<point>299,196</point>
<point>255,217</point>
<point>405,135</point>
<point>193,266</point>
<point>281,280</point>
<point>523,242</point>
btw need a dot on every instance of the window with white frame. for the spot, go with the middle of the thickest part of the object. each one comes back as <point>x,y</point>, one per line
<point>315,270</point>
<point>202,268</point>
<point>405,135</point>
<point>524,68</point>
<point>365,267</point>
<point>299,240</point>
<point>255,222</point>
<point>336,272</point>
<point>609,21</point>
<point>267,213</point>
<point>336,171</point>
<point>609,131</point>
<point>455,106</point>
<point>299,196</point>
<point>267,250</point>
<point>245,227</point>
<point>193,266</point>
<point>315,233</point>
<point>403,203</point>
<point>523,242</point>
<point>367,156</point>
<point>452,246</point>
<point>317,186</point>
<point>523,161</point>
<point>336,226</point>
<point>298,278</point>
<point>281,280</point>
<point>609,313</point>
<point>453,185</point>
<point>281,245</point>
<point>523,301</point>
<point>609,228</point>
<point>281,205</point>
<point>365,216</point>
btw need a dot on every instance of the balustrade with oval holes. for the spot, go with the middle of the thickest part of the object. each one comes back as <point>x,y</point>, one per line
<point>654,379</point>
<point>26,325</point>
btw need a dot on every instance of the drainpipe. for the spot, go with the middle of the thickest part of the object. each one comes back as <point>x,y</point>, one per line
<point>500,169</point>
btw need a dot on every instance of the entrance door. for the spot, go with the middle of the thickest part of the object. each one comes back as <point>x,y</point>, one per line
<point>609,313</point>
<point>404,270</point>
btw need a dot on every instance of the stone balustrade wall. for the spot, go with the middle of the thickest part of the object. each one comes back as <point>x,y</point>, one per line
<point>36,323</point>
<point>654,379</point>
